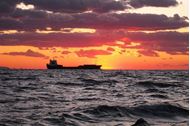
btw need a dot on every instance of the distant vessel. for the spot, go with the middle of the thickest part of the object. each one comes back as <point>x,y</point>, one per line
<point>53,65</point>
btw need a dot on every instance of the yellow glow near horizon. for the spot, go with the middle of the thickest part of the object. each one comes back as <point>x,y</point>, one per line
<point>80,30</point>
<point>120,42</point>
<point>130,59</point>
<point>9,32</point>
<point>133,44</point>
<point>23,6</point>
<point>66,30</point>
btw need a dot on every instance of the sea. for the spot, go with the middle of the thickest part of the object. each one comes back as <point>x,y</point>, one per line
<point>93,97</point>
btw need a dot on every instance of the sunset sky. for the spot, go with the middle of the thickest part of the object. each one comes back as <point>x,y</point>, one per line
<point>118,34</point>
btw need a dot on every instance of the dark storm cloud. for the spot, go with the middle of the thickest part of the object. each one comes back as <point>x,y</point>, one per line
<point>78,6</point>
<point>66,6</point>
<point>170,36</point>
<point>97,5</point>
<point>7,23</point>
<point>59,39</point>
<point>154,3</point>
<point>39,18</point>
<point>169,42</point>
<point>75,6</point>
<point>31,20</point>
<point>32,14</point>
<point>7,6</point>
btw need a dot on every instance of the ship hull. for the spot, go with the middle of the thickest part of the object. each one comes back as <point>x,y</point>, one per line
<point>78,67</point>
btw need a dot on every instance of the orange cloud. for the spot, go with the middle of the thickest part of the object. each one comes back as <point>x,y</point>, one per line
<point>110,49</point>
<point>29,53</point>
<point>92,53</point>
<point>66,52</point>
<point>148,53</point>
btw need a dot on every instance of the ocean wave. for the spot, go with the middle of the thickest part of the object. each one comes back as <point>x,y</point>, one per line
<point>88,99</point>
<point>93,81</point>
<point>154,90</point>
<point>18,78</point>
<point>68,84</point>
<point>157,110</point>
<point>79,117</point>
<point>156,84</point>
<point>66,119</point>
<point>159,96</point>
<point>99,98</point>
<point>160,110</point>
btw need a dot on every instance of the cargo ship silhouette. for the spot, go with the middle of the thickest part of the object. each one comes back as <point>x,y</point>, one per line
<point>53,65</point>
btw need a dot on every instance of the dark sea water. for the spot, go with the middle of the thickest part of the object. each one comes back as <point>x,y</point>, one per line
<point>93,97</point>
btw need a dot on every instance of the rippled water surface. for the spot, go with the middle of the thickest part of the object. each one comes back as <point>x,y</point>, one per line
<point>93,97</point>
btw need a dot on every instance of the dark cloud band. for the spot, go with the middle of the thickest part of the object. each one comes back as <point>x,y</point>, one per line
<point>32,20</point>
<point>79,6</point>
<point>170,42</point>
<point>154,3</point>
